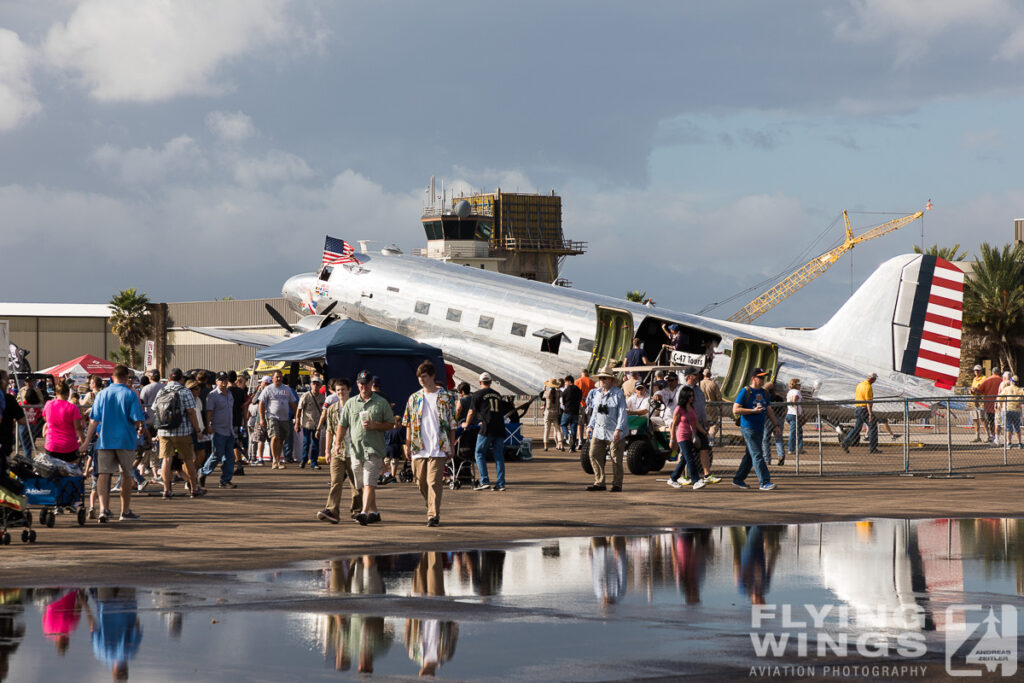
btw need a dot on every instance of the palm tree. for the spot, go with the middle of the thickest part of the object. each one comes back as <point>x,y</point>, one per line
<point>949,253</point>
<point>994,301</point>
<point>130,320</point>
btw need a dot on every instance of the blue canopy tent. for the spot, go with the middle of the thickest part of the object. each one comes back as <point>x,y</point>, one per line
<point>349,346</point>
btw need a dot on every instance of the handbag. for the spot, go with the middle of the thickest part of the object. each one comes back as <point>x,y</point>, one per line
<point>698,442</point>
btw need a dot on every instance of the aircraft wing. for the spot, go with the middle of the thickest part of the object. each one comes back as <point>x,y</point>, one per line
<point>253,339</point>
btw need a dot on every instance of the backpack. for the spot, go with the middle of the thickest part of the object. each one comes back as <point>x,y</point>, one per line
<point>167,412</point>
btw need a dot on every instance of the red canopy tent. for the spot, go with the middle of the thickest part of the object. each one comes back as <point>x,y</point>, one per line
<point>83,365</point>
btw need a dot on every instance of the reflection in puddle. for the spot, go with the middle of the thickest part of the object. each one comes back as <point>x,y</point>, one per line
<point>575,608</point>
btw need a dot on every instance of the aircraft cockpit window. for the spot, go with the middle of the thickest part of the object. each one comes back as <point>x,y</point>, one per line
<point>519,329</point>
<point>586,345</point>
<point>325,273</point>
<point>454,315</point>
<point>486,322</point>
<point>422,307</point>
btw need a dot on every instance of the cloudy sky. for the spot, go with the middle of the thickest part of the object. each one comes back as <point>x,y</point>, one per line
<point>197,149</point>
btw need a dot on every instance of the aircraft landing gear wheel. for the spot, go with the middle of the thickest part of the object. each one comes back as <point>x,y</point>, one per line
<point>24,535</point>
<point>81,516</point>
<point>31,535</point>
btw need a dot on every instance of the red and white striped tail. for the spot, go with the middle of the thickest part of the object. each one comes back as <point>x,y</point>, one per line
<point>928,321</point>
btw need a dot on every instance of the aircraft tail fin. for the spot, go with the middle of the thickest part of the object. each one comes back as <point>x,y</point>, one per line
<point>907,317</point>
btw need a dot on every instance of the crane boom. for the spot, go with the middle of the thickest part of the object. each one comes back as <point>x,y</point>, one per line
<point>815,267</point>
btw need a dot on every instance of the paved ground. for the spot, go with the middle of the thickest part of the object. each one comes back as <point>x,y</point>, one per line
<point>270,519</point>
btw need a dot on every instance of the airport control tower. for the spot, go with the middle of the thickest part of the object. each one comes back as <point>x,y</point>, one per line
<point>513,233</point>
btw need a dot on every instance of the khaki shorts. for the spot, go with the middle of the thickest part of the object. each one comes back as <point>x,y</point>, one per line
<point>276,429</point>
<point>183,444</point>
<point>110,461</point>
<point>366,472</point>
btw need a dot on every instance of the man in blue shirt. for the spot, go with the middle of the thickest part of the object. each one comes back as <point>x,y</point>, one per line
<point>118,419</point>
<point>607,429</point>
<point>751,406</point>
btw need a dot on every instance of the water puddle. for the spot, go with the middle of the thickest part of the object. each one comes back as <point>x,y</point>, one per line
<point>737,602</point>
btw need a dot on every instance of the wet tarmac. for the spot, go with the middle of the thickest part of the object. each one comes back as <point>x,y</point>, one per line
<point>729,602</point>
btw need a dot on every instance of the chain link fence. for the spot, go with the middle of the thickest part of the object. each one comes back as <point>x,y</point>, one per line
<point>911,436</point>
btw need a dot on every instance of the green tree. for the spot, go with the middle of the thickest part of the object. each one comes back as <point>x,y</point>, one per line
<point>636,295</point>
<point>994,301</point>
<point>953,253</point>
<point>130,320</point>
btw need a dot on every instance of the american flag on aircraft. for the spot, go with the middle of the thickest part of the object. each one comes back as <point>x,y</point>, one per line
<point>337,251</point>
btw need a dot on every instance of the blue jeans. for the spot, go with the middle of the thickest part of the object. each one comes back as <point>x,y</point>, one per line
<point>223,451</point>
<point>496,444</point>
<point>689,461</point>
<point>753,456</point>
<point>569,424</point>
<point>861,415</point>
<point>766,443</point>
<point>25,437</point>
<point>310,446</point>
<point>288,450</point>
<point>796,434</point>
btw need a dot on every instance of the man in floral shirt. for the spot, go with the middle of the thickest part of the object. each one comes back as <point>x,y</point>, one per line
<point>429,423</point>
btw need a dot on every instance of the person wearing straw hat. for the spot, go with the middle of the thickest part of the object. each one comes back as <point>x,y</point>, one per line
<point>607,430</point>
<point>552,412</point>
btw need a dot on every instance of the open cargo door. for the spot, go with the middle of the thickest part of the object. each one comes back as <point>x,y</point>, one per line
<point>748,354</point>
<point>613,338</point>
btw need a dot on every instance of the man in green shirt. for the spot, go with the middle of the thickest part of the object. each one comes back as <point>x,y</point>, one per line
<point>365,417</point>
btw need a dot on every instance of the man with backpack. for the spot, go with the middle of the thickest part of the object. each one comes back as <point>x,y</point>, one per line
<point>174,416</point>
<point>490,407</point>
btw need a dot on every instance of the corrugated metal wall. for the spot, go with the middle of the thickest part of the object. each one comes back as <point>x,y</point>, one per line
<point>188,350</point>
<point>52,340</point>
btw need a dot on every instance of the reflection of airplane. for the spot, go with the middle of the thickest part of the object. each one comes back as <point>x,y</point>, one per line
<point>903,323</point>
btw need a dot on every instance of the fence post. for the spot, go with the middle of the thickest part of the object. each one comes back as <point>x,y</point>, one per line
<point>906,435</point>
<point>949,438</point>
<point>821,471</point>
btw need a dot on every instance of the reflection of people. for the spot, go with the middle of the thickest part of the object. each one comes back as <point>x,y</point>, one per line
<point>609,567</point>
<point>116,632</point>
<point>753,567</point>
<point>690,550</point>
<point>61,617</point>
<point>347,634</point>
<point>430,642</point>
<point>11,631</point>
<point>484,568</point>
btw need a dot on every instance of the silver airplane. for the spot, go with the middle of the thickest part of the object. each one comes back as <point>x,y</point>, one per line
<point>903,323</point>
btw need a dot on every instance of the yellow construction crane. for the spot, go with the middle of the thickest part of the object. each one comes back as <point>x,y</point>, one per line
<point>818,265</point>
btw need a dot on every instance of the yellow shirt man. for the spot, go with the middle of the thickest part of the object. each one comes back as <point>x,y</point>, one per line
<point>864,393</point>
<point>1015,394</point>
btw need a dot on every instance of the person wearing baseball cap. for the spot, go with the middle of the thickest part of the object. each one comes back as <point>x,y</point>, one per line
<point>220,408</point>
<point>864,412</point>
<point>307,419</point>
<point>751,406</point>
<point>979,408</point>
<point>366,416</point>
<point>486,404</point>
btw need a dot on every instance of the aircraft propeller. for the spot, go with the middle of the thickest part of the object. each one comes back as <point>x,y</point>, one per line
<point>279,319</point>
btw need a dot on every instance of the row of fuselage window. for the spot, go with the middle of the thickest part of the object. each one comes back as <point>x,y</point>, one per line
<point>486,322</point>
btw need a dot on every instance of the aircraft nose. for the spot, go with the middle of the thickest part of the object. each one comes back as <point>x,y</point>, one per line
<point>296,288</point>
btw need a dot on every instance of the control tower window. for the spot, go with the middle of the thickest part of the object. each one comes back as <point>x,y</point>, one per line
<point>422,307</point>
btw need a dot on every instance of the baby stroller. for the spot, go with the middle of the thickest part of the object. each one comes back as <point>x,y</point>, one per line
<point>458,469</point>
<point>53,485</point>
<point>14,511</point>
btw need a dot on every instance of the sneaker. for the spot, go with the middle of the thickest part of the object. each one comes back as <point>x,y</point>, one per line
<point>740,484</point>
<point>302,465</point>
<point>699,484</point>
<point>128,516</point>
<point>115,489</point>
<point>846,449</point>
<point>482,486</point>
<point>327,516</point>
<point>616,489</point>
<point>711,479</point>
<point>228,485</point>
<point>684,481</point>
<point>355,516</point>
<point>197,493</point>
<point>434,521</point>
<point>104,516</point>
<point>92,513</point>
<point>596,487</point>
<point>167,495</point>
<point>976,439</point>
<point>674,484</point>
<point>362,519</point>
<point>499,487</point>
<point>372,517</point>
<point>781,462</point>
<point>767,487</point>
<point>315,467</point>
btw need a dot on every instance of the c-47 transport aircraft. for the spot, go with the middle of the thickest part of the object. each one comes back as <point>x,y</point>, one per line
<point>903,323</point>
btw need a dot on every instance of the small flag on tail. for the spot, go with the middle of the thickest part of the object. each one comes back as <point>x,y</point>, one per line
<point>337,251</point>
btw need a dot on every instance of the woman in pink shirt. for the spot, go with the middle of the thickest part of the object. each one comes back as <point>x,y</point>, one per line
<point>63,431</point>
<point>685,426</point>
